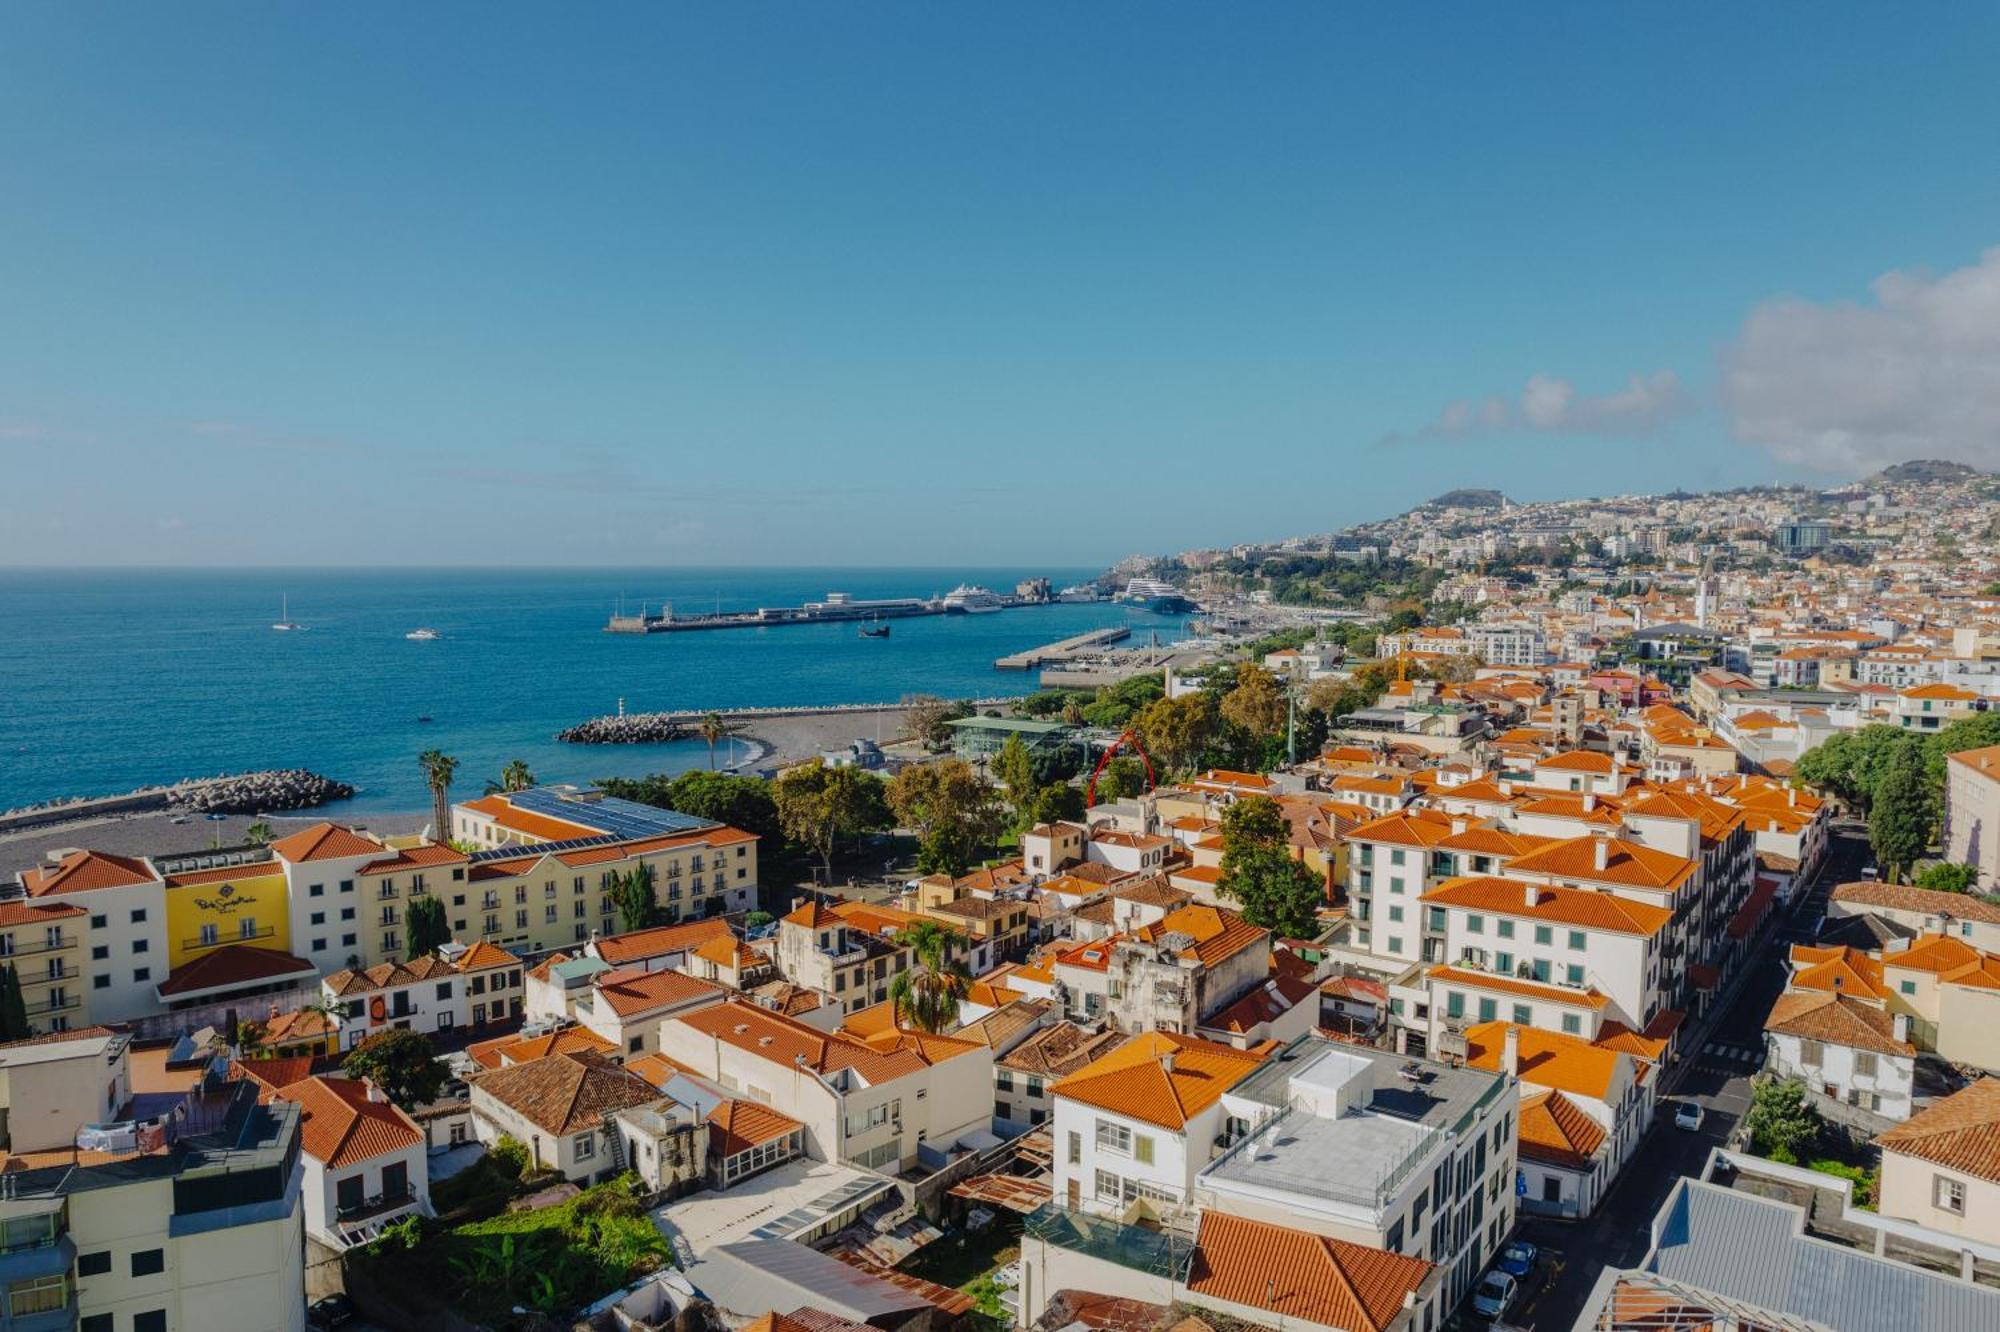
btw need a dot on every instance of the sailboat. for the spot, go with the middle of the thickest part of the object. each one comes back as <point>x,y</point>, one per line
<point>874,628</point>
<point>285,620</point>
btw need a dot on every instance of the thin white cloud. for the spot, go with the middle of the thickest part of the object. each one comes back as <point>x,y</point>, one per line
<point>1847,386</point>
<point>1550,405</point>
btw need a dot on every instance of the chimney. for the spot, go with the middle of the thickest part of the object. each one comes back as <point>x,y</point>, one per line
<point>1792,796</point>
<point>1167,1062</point>
<point>1531,893</point>
<point>1601,852</point>
<point>1510,1052</point>
<point>1589,802</point>
<point>375,1093</point>
<point>1902,1027</point>
<point>1458,826</point>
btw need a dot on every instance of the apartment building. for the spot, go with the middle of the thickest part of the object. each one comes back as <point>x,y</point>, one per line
<point>1184,969</point>
<point>1022,1076</point>
<point>43,941</point>
<point>203,1229</point>
<point>53,1085</point>
<point>627,1007</point>
<point>365,1160</point>
<point>458,987</point>
<point>1932,707</point>
<point>124,900</point>
<point>822,951</point>
<point>1377,1149</point>
<point>1971,832</point>
<point>1139,1122</point>
<point>882,1103</point>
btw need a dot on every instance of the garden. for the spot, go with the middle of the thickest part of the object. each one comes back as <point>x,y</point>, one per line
<point>548,1261</point>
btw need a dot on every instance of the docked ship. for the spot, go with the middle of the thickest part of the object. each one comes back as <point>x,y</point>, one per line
<point>971,599</point>
<point>1081,592</point>
<point>1156,595</point>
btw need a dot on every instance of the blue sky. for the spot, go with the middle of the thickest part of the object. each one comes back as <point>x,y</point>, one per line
<point>895,283</point>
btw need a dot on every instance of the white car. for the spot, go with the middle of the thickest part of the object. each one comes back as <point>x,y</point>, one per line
<point>1493,1294</point>
<point>1688,1116</point>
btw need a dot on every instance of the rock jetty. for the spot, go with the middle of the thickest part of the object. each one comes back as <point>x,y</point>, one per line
<point>628,728</point>
<point>260,793</point>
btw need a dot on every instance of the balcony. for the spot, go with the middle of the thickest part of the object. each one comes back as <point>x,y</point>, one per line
<point>380,1205</point>
<point>47,1007</point>
<point>220,939</point>
<point>18,949</point>
<point>45,976</point>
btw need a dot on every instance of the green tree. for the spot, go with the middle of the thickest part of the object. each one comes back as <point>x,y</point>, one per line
<point>1782,1123</point>
<point>819,806</point>
<point>425,923</point>
<point>950,808</point>
<point>714,729</point>
<point>516,776</point>
<point>1058,802</point>
<point>1177,730</point>
<point>258,833</point>
<point>739,802</point>
<point>1014,768</point>
<point>13,1006</point>
<point>1123,777</point>
<point>1854,766</point>
<point>1902,814</point>
<point>439,768</point>
<point>927,995</point>
<point>1257,703</point>
<point>402,1063</point>
<point>1948,877</point>
<point>1259,873</point>
<point>632,894</point>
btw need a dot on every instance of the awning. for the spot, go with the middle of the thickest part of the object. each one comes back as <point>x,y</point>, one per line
<point>1704,976</point>
<point>1751,913</point>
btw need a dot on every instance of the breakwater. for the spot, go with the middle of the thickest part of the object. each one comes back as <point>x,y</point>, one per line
<point>636,728</point>
<point>266,792</point>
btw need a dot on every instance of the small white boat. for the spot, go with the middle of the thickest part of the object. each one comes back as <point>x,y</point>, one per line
<point>285,620</point>
<point>423,635</point>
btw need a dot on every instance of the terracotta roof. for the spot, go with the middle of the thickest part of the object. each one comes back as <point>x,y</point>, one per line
<point>1482,980</point>
<point>737,1126</point>
<point>58,1037</point>
<point>1903,897</point>
<point>504,1050</point>
<point>1553,1129</point>
<point>1578,907</point>
<point>1267,1003</point>
<point>1054,1052</point>
<point>298,1025</point>
<point>1936,953</point>
<point>1298,1275</point>
<point>1627,863</point>
<point>387,976</point>
<point>623,949</point>
<point>631,993</point>
<point>503,812</point>
<point>426,855</point>
<point>234,964</point>
<point>1836,1019</point>
<point>340,1125</point>
<point>1546,1058</point>
<point>1961,1132</point>
<point>1837,970</point>
<point>565,1093</point>
<point>1160,1077</point>
<point>325,841</point>
<point>16,913</point>
<point>82,871</point>
<point>1581,760</point>
<point>656,1068</point>
<point>1217,933</point>
<point>1413,827</point>
<point>786,1041</point>
<point>483,956</point>
<point>730,952</point>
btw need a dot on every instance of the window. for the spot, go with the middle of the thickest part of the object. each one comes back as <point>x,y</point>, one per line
<point>1142,1149</point>
<point>319,945</point>
<point>347,940</point>
<point>100,982</point>
<point>1577,941</point>
<point>1573,976</point>
<point>47,1294</point>
<point>153,1320</point>
<point>1864,1064</point>
<point>93,1264</point>
<point>209,935</point>
<point>1948,1194</point>
<point>145,1262</point>
<point>444,990</point>
<point>1475,924</point>
<point>1505,928</point>
<point>317,890</point>
<point>347,913</point>
<point>100,953</point>
<point>138,915</point>
<point>1113,1138</point>
<point>141,945</point>
<point>1907,987</point>
<point>1504,963</point>
<point>635,1044</point>
<point>97,1323</point>
<point>347,885</point>
<point>1572,1024</point>
<point>142,974</point>
<point>1544,934</point>
<point>586,1146</point>
<point>1395,914</point>
<point>1075,1147</point>
<point>1812,1053</point>
<point>1488,1010</point>
<point>1523,1015</point>
<point>317,918</point>
<point>1454,1003</point>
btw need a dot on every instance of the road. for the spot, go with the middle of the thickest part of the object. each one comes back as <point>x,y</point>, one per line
<point>1718,1076</point>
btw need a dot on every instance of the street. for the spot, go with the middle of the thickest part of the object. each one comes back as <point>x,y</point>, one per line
<point>1716,1074</point>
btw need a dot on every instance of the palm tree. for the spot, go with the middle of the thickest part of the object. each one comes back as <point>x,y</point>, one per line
<point>714,730</point>
<point>332,1013</point>
<point>439,768</point>
<point>258,833</point>
<point>516,776</point>
<point>926,996</point>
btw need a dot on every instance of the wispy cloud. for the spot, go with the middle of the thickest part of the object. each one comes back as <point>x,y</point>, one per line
<point>1551,405</point>
<point>1847,386</point>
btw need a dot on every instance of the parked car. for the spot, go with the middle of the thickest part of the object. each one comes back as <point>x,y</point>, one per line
<point>1518,1259</point>
<point>1493,1294</point>
<point>333,1311</point>
<point>1688,1116</point>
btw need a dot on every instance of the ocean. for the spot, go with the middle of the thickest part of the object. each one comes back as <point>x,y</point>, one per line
<point>114,679</point>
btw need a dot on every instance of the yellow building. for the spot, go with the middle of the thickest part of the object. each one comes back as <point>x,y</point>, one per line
<point>44,943</point>
<point>236,904</point>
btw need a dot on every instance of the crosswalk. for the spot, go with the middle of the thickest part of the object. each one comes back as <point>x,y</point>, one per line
<point>1729,1056</point>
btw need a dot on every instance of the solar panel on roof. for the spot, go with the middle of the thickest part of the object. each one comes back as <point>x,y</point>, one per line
<point>620,818</point>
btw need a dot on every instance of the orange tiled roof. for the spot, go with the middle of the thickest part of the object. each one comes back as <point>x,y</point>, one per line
<point>1481,980</point>
<point>483,956</point>
<point>783,1040</point>
<point>1837,970</point>
<point>16,913</point>
<point>340,1125</point>
<point>1836,1019</point>
<point>504,1050</point>
<point>565,1093</point>
<point>1563,906</point>
<point>631,993</point>
<point>624,949</point>
<point>83,871</point>
<point>1626,864</point>
<point>1295,1274</point>
<point>1160,1077</point>
<point>1546,1058</point>
<point>1218,933</point>
<point>737,1126</point>
<point>325,841</point>
<point>1960,1132</point>
<point>1553,1129</point>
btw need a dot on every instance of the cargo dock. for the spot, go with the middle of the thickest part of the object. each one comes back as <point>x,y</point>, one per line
<point>1074,646</point>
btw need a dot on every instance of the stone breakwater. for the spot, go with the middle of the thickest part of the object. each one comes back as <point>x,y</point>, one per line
<point>229,793</point>
<point>631,728</point>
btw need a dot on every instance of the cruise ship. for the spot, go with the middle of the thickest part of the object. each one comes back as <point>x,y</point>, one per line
<point>971,599</point>
<point>1156,595</point>
<point>1080,592</point>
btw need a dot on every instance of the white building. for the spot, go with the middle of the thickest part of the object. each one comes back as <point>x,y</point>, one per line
<point>127,902</point>
<point>1844,1049</point>
<point>365,1160</point>
<point>458,987</point>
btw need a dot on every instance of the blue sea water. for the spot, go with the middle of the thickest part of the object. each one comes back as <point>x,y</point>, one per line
<point>115,679</point>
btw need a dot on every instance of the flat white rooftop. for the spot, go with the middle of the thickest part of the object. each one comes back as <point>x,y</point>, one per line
<point>784,1202</point>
